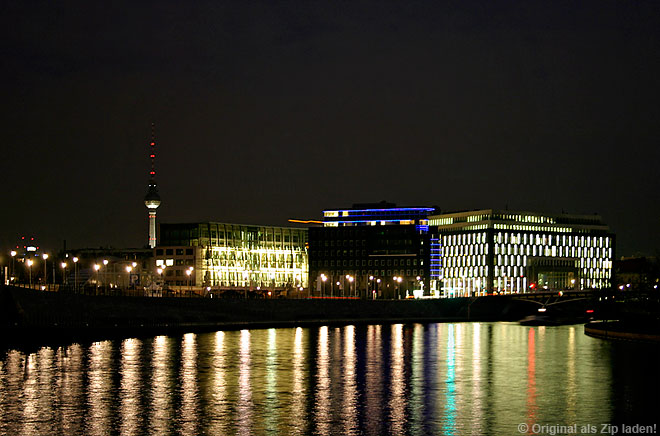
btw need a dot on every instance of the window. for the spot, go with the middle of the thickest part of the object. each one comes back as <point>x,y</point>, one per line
<point>189,251</point>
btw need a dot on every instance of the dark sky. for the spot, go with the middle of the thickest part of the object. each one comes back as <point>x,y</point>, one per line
<point>272,110</point>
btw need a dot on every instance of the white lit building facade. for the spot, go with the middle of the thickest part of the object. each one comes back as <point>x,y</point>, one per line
<point>229,256</point>
<point>501,251</point>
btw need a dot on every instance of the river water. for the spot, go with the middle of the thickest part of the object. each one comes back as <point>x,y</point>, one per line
<point>417,379</point>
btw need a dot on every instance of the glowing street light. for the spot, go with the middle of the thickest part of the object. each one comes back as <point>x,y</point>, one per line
<point>324,278</point>
<point>128,276</point>
<point>29,264</point>
<point>63,265</point>
<point>188,272</point>
<point>97,267</point>
<point>13,265</point>
<point>45,257</point>
<point>75,273</point>
<point>398,288</point>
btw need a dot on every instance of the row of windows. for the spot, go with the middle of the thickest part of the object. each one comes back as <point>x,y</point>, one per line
<point>173,251</point>
<point>527,238</point>
<point>389,262</point>
<point>553,251</point>
<point>464,250</point>
<point>514,271</point>
<point>550,239</point>
<point>376,273</point>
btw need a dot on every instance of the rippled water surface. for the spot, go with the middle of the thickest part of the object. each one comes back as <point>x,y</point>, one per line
<point>455,379</point>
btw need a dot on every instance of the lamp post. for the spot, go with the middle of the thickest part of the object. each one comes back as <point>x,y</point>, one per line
<point>324,279</point>
<point>188,272</point>
<point>245,285</point>
<point>45,257</point>
<point>397,281</point>
<point>128,276</point>
<point>75,273</point>
<point>97,267</point>
<point>29,264</point>
<point>63,265</point>
<point>13,265</point>
<point>369,286</point>
<point>350,282</point>
<point>105,275</point>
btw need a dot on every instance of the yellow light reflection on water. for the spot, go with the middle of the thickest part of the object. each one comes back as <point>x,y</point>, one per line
<point>99,388</point>
<point>161,386</point>
<point>130,389</point>
<point>244,405</point>
<point>70,388</point>
<point>272,403</point>
<point>217,401</point>
<point>349,407</point>
<point>189,409</point>
<point>298,393</point>
<point>322,406</point>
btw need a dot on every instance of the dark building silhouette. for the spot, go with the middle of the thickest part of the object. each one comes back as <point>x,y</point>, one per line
<point>370,250</point>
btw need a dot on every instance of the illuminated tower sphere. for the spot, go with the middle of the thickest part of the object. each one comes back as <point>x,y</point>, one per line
<point>152,199</point>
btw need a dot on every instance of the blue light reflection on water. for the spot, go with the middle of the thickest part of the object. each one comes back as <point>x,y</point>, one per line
<point>450,396</point>
<point>417,379</point>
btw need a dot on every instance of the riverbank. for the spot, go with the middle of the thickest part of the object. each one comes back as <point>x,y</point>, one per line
<point>625,331</point>
<point>30,315</point>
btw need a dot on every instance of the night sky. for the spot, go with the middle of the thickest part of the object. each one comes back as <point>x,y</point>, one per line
<point>270,110</point>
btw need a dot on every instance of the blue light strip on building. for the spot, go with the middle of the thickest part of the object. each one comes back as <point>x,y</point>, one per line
<point>396,209</point>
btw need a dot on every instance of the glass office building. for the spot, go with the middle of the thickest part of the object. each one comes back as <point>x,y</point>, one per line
<point>226,256</point>
<point>494,251</point>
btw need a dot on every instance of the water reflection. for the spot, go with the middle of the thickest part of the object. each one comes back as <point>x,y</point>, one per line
<point>349,407</point>
<point>394,379</point>
<point>100,388</point>
<point>162,383</point>
<point>245,389</point>
<point>322,403</point>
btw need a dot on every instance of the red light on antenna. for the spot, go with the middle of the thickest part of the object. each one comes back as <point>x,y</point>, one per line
<point>152,172</point>
<point>153,143</point>
<point>153,155</point>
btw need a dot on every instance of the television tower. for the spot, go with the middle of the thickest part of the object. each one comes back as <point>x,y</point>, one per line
<point>152,199</point>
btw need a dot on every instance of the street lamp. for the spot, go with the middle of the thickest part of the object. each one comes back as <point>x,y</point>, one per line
<point>29,264</point>
<point>13,265</point>
<point>188,272</point>
<point>324,279</point>
<point>128,276</point>
<point>75,273</point>
<point>97,267</point>
<point>63,265</point>
<point>105,273</point>
<point>350,281</point>
<point>45,257</point>
<point>398,288</point>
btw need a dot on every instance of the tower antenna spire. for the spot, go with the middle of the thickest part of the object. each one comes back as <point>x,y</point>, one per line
<point>152,199</point>
<point>152,145</point>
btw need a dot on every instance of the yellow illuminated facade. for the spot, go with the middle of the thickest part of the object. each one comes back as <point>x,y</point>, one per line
<point>490,251</point>
<point>225,256</point>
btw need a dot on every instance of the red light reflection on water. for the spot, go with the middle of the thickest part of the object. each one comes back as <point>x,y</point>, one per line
<point>532,407</point>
